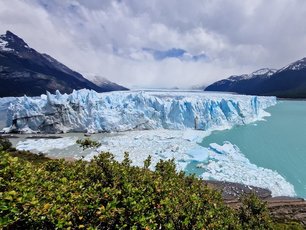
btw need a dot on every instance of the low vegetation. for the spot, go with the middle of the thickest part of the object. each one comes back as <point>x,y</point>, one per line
<point>106,194</point>
<point>88,143</point>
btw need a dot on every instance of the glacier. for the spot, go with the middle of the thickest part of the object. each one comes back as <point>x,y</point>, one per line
<point>164,125</point>
<point>4,104</point>
<point>89,111</point>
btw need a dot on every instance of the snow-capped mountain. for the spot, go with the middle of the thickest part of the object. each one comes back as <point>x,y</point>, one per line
<point>106,84</point>
<point>242,83</point>
<point>298,65</point>
<point>262,73</point>
<point>86,110</point>
<point>23,70</point>
<point>9,42</point>
<point>287,82</point>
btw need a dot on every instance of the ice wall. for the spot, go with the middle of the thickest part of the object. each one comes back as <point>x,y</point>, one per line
<point>4,104</point>
<point>88,111</point>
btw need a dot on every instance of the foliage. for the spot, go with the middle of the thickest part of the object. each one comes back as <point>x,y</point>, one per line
<point>288,226</point>
<point>88,143</point>
<point>106,194</point>
<point>28,156</point>
<point>5,144</point>
<point>254,213</point>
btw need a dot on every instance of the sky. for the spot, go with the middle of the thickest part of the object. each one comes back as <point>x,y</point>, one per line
<point>158,43</point>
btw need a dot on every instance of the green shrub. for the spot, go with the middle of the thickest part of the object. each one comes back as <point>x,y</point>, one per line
<point>288,226</point>
<point>88,143</point>
<point>106,194</point>
<point>254,213</point>
<point>5,144</point>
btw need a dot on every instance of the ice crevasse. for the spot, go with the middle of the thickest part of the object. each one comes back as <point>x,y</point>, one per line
<point>89,111</point>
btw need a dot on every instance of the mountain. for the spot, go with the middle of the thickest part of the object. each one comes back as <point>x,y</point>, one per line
<point>107,85</point>
<point>23,70</point>
<point>287,82</point>
<point>243,84</point>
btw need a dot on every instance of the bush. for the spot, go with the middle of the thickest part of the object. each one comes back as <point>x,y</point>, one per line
<point>5,144</point>
<point>288,226</point>
<point>88,143</point>
<point>106,194</point>
<point>254,214</point>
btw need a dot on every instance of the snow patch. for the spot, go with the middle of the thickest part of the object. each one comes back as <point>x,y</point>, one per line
<point>3,45</point>
<point>298,65</point>
<point>264,71</point>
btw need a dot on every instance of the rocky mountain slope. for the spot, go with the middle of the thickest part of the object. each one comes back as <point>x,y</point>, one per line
<point>106,84</point>
<point>287,82</point>
<point>23,70</point>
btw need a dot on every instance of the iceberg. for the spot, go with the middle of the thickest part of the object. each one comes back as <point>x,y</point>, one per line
<point>45,145</point>
<point>89,111</point>
<point>227,163</point>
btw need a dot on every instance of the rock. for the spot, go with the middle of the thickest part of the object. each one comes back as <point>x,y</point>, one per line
<point>281,208</point>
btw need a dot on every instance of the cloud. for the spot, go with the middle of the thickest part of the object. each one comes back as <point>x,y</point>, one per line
<point>156,43</point>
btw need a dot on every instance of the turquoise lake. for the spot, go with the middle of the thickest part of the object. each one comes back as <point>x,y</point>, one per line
<point>279,143</point>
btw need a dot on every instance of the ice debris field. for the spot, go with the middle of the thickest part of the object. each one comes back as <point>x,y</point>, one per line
<point>164,125</point>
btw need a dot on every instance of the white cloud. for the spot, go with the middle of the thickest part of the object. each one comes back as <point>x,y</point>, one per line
<point>107,37</point>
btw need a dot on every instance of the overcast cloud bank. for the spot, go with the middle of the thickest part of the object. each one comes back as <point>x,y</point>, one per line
<point>161,43</point>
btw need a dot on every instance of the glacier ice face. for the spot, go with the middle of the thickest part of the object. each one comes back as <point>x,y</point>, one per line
<point>88,111</point>
<point>4,104</point>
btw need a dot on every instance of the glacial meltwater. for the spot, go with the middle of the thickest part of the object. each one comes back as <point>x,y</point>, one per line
<point>279,143</point>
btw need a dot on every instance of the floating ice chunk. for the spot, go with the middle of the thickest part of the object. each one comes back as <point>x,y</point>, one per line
<point>45,145</point>
<point>227,163</point>
<point>226,148</point>
<point>159,144</point>
<point>198,153</point>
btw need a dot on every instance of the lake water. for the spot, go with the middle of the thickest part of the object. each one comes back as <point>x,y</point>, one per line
<point>279,143</point>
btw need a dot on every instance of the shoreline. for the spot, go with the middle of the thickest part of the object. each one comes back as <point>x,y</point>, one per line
<point>282,208</point>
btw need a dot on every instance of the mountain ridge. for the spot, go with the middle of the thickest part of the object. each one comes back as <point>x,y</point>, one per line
<point>23,70</point>
<point>287,82</point>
